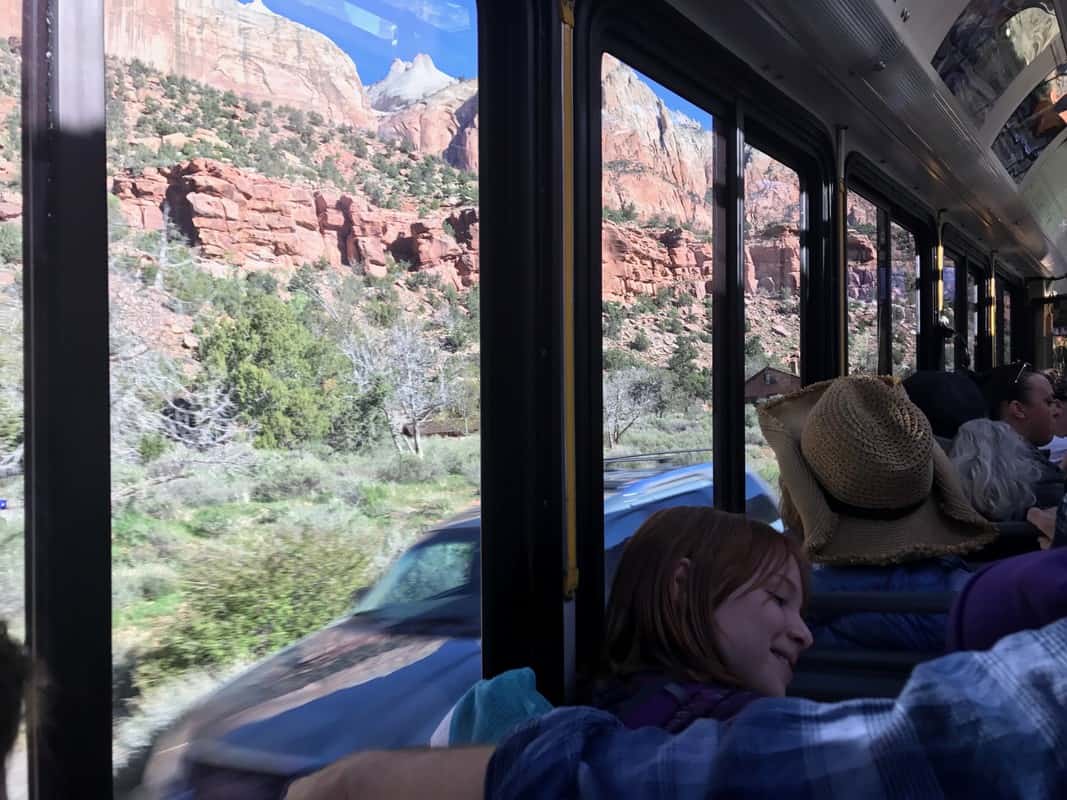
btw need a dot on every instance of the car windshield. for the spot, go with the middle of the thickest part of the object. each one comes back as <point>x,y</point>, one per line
<point>436,581</point>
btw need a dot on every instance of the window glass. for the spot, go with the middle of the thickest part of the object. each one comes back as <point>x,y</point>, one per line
<point>12,545</point>
<point>1006,325</point>
<point>990,43</point>
<point>948,310</point>
<point>973,323</point>
<point>656,234</point>
<point>772,295</point>
<point>862,266</point>
<point>293,197</point>
<point>1039,119</point>
<point>905,300</point>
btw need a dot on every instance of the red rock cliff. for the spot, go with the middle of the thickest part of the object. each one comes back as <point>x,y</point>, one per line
<point>245,48</point>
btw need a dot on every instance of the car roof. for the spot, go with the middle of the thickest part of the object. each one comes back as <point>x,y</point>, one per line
<point>625,487</point>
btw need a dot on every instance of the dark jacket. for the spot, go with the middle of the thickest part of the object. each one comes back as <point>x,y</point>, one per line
<point>1049,487</point>
<point>881,631</point>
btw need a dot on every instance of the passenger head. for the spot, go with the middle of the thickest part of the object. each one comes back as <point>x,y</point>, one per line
<point>948,399</point>
<point>14,676</point>
<point>1023,399</point>
<point>997,468</point>
<point>862,477</point>
<point>1059,395</point>
<point>708,596</point>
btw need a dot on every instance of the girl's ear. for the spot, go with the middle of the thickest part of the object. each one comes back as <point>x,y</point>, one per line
<point>679,579</point>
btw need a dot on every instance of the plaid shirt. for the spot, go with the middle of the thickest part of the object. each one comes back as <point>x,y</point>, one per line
<point>969,725</point>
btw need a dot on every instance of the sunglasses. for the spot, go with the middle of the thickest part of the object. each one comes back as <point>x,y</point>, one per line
<point>1022,370</point>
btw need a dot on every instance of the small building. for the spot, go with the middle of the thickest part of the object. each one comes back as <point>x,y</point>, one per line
<point>769,382</point>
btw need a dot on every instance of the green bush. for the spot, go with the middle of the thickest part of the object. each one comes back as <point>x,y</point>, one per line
<point>640,342</point>
<point>289,381</point>
<point>254,597</point>
<point>410,469</point>
<point>10,243</point>
<point>151,447</point>
<point>620,359</point>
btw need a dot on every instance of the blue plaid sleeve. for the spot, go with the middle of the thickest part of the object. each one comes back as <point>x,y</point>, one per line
<point>990,724</point>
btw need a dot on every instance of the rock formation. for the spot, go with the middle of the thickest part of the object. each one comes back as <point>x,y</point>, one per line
<point>264,224</point>
<point>245,48</point>
<point>655,159</point>
<point>407,83</point>
<point>445,124</point>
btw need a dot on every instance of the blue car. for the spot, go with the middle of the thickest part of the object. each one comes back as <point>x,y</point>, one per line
<point>385,676</point>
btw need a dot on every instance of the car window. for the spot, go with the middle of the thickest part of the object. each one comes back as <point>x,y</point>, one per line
<point>424,574</point>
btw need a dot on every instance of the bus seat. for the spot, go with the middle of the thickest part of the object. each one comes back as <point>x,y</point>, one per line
<point>832,674</point>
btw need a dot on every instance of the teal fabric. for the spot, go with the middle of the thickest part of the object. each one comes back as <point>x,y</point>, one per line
<point>491,708</point>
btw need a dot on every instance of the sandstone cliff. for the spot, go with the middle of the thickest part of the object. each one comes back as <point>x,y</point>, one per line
<point>444,123</point>
<point>408,82</point>
<point>259,223</point>
<point>655,159</point>
<point>245,48</point>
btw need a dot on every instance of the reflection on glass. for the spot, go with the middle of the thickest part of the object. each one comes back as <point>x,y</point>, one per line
<point>1039,119</point>
<point>1006,322</point>
<point>990,43</point>
<point>905,300</point>
<point>12,586</point>
<point>971,354</point>
<point>948,311</point>
<point>772,295</point>
<point>294,275</point>
<point>862,286</point>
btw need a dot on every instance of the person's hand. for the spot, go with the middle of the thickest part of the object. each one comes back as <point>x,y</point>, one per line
<point>1044,519</point>
<point>441,773</point>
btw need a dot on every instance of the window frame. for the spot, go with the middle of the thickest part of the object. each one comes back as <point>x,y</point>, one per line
<point>654,38</point>
<point>902,208</point>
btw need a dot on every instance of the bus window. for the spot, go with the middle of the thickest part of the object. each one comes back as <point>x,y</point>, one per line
<point>905,300</point>
<point>12,547</point>
<point>1005,322</point>
<point>989,45</point>
<point>772,295</point>
<point>973,322</point>
<point>862,286</point>
<point>294,279</point>
<point>948,310</point>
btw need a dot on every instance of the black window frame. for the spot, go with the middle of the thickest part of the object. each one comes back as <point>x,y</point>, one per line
<point>901,207</point>
<point>657,40</point>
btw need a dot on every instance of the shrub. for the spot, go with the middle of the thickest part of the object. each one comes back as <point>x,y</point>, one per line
<point>640,342</point>
<point>252,598</point>
<point>409,469</point>
<point>614,315</point>
<point>627,213</point>
<point>10,243</point>
<point>620,359</point>
<point>151,447</point>
<point>286,379</point>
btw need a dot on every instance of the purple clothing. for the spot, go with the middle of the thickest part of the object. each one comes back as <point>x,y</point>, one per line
<point>654,700</point>
<point>1015,594</point>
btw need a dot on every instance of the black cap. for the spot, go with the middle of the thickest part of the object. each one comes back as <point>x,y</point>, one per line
<point>948,399</point>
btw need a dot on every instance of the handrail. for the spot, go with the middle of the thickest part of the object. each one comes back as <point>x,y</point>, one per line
<point>661,456</point>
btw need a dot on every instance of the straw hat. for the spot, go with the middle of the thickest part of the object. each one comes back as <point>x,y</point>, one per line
<point>862,473</point>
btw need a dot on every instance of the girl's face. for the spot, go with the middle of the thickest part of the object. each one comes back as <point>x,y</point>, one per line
<point>761,633</point>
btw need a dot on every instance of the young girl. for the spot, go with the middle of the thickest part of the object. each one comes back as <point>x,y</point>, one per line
<point>704,617</point>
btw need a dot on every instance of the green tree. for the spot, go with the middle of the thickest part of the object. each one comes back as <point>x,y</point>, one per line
<point>693,381</point>
<point>288,382</point>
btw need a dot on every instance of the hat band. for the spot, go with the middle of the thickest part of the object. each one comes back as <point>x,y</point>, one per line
<point>849,510</point>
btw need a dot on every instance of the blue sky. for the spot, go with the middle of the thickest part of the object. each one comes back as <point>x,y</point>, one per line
<point>374,32</point>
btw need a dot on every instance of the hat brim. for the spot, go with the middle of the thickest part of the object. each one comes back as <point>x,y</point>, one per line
<point>945,523</point>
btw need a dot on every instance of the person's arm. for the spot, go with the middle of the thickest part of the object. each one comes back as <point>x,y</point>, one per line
<point>443,774</point>
<point>975,724</point>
